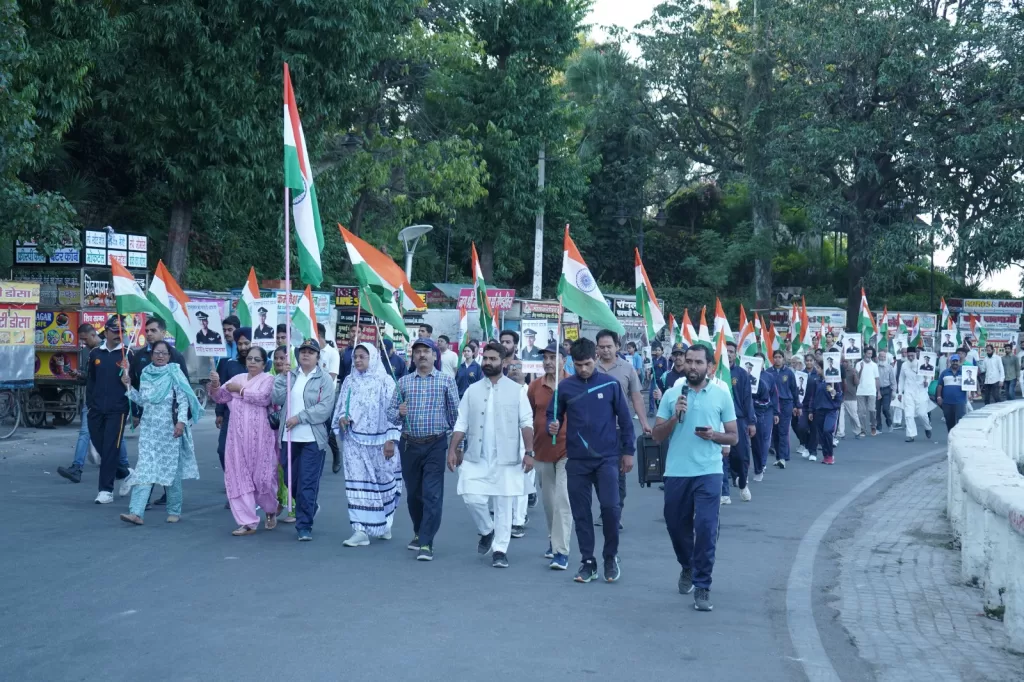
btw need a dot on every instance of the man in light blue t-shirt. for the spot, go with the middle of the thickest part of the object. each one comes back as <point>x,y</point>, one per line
<point>697,418</point>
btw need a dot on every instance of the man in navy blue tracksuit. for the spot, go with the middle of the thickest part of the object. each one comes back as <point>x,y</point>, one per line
<point>785,385</point>
<point>766,408</point>
<point>828,398</point>
<point>746,425</point>
<point>593,405</point>
<point>108,406</point>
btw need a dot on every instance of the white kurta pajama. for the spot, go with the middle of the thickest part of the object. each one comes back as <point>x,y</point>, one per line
<point>492,471</point>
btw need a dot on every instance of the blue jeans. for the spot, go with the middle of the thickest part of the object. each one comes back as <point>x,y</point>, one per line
<point>1011,389</point>
<point>691,515</point>
<point>82,448</point>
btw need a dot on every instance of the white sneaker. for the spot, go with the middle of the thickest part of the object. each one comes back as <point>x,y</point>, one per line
<point>358,539</point>
<point>104,497</point>
<point>805,453</point>
<point>126,488</point>
<point>812,458</point>
<point>835,442</point>
<point>745,494</point>
<point>725,500</point>
<point>758,477</point>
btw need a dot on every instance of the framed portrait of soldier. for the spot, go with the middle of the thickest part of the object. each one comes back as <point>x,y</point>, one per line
<point>801,386</point>
<point>263,312</point>
<point>927,362</point>
<point>947,341</point>
<point>851,345</point>
<point>207,332</point>
<point>831,370</point>
<point>899,343</point>
<point>969,378</point>
<point>531,345</point>
<point>754,367</point>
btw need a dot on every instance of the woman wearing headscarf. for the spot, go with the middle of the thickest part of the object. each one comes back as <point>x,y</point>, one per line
<point>373,483</point>
<point>166,452</point>
<point>250,455</point>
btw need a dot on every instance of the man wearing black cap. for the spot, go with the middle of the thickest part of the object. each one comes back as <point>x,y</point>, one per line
<point>205,335</point>
<point>263,330</point>
<point>108,406</point>
<point>424,408</point>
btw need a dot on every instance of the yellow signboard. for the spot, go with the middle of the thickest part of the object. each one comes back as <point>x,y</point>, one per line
<point>17,327</point>
<point>22,293</point>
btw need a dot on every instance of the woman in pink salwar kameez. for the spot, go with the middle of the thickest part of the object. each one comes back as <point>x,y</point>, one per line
<point>250,456</point>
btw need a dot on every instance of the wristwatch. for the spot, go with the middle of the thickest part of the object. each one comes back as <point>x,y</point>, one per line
<point>529,453</point>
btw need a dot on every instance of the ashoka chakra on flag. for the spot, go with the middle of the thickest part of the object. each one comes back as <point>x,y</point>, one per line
<point>585,281</point>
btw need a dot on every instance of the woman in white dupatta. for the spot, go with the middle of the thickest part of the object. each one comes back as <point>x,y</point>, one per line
<point>373,483</point>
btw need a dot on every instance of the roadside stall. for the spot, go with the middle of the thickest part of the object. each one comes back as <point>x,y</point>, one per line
<point>75,288</point>
<point>18,301</point>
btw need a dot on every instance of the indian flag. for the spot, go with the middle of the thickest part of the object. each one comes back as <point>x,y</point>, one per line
<point>169,301</point>
<point>979,333</point>
<point>128,293</point>
<point>646,301</point>
<point>488,322</point>
<point>722,372</point>
<point>901,326</point>
<point>379,272</point>
<point>250,292</point>
<point>703,336</point>
<point>463,329</point>
<point>915,334</point>
<point>578,291</point>
<point>686,330</point>
<point>771,343</point>
<point>670,336</point>
<point>883,330</point>
<point>721,322</point>
<point>947,322</point>
<point>304,316</point>
<point>298,175</point>
<point>746,345</point>
<point>865,321</point>
<point>794,328</point>
<point>805,327</point>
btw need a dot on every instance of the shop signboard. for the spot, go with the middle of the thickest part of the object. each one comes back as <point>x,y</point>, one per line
<point>134,325</point>
<point>500,299</point>
<point>17,326</point>
<point>19,293</point>
<point>56,329</point>
<point>1005,306</point>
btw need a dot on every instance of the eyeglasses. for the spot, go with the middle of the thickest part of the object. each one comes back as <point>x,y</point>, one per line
<point>160,354</point>
<point>253,358</point>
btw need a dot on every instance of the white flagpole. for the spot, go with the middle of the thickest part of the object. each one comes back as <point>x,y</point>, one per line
<point>288,336</point>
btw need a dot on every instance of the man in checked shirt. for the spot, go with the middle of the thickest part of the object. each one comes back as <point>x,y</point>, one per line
<point>424,408</point>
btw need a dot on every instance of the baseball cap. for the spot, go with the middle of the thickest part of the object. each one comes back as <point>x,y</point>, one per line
<point>429,343</point>
<point>551,348</point>
<point>114,322</point>
<point>309,344</point>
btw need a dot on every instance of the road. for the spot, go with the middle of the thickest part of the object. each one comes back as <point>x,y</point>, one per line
<point>90,597</point>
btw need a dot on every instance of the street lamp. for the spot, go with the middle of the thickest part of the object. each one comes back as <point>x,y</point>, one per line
<point>410,237</point>
<point>662,218</point>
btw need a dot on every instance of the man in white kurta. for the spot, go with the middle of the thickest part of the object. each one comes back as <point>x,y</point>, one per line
<point>494,420</point>
<point>913,389</point>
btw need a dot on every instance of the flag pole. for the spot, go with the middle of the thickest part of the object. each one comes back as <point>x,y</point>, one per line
<point>558,363</point>
<point>359,315</point>
<point>288,335</point>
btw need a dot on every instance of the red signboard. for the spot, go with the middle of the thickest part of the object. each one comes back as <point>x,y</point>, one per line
<point>501,299</point>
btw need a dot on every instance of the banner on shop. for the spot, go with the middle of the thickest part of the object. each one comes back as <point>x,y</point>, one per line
<point>17,326</point>
<point>134,326</point>
<point>56,329</point>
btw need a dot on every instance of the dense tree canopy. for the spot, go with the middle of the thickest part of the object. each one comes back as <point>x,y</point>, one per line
<point>786,143</point>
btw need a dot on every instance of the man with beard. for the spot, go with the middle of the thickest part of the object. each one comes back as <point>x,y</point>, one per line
<point>697,419</point>
<point>992,367</point>
<point>913,389</point>
<point>599,445</point>
<point>494,418</point>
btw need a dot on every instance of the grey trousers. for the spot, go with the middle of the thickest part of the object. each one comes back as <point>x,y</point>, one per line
<point>866,410</point>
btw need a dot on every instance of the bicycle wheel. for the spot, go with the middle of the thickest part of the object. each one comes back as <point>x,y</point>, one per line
<point>35,409</point>
<point>69,407</point>
<point>10,414</point>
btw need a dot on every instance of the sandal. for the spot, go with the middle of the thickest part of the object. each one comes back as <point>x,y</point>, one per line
<point>243,530</point>
<point>132,519</point>
<point>271,523</point>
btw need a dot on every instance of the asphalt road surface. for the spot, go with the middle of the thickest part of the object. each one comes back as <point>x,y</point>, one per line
<point>89,597</point>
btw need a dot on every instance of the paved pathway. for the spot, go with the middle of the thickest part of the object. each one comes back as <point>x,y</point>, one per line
<point>902,596</point>
<point>91,598</point>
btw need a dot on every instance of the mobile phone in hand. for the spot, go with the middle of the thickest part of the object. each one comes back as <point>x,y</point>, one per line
<point>701,429</point>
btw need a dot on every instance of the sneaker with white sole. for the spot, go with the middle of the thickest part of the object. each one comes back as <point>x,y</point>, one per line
<point>835,442</point>
<point>759,477</point>
<point>725,500</point>
<point>702,599</point>
<point>812,458</point>
<point>745,494</point>
<point>780,463</point>
<point>125,488</point>
<point>358,539</point>
<point>805,453</point>
<point>104,497</point>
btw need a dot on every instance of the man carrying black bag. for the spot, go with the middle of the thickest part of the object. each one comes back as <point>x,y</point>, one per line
<point>697,418</point>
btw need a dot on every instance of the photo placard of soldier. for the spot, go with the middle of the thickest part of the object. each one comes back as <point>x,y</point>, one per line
<point>207,331</point>
<point>947,341</point>
<point>927,362</point>
<point>531,345</point>
<point>263,312</point>
<point>754,367</point>
<point>801,386</point>
<point>851,346</point>
<point>831,370</point>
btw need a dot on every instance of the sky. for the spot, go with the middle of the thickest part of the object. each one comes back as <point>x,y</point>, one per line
<point>629,13</point>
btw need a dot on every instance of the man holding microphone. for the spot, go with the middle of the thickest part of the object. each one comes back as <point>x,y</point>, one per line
<point>697,418</point>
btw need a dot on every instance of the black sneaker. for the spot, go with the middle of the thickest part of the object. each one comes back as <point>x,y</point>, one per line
<point>163,501</point>
<point>587,572</point>
<point>702,599</point>
<point>414,544</point>
<point>928,434</point>
<point>780,463</point>
<point>484,546</point>
<point>531,501</point>
<point>499,560</point>
<point>686,581</point>
<point>612,572</point>
<point>518,531</point>
<point>908,440</point>
<point>426,553</point>
<point>73,473</point>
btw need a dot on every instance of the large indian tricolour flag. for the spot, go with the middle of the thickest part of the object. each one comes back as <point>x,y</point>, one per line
<point>304,316</point>
<point>380,281</point>
<point>298,176</point>
<point>578,291</point>
<point>488,322</point>
<point>646,301</point>
<point>250,292</point>
<point>169,301</point>
<point>127,292</point>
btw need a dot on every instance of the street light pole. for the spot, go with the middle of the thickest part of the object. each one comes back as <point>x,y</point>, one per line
<point>410,237</point>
